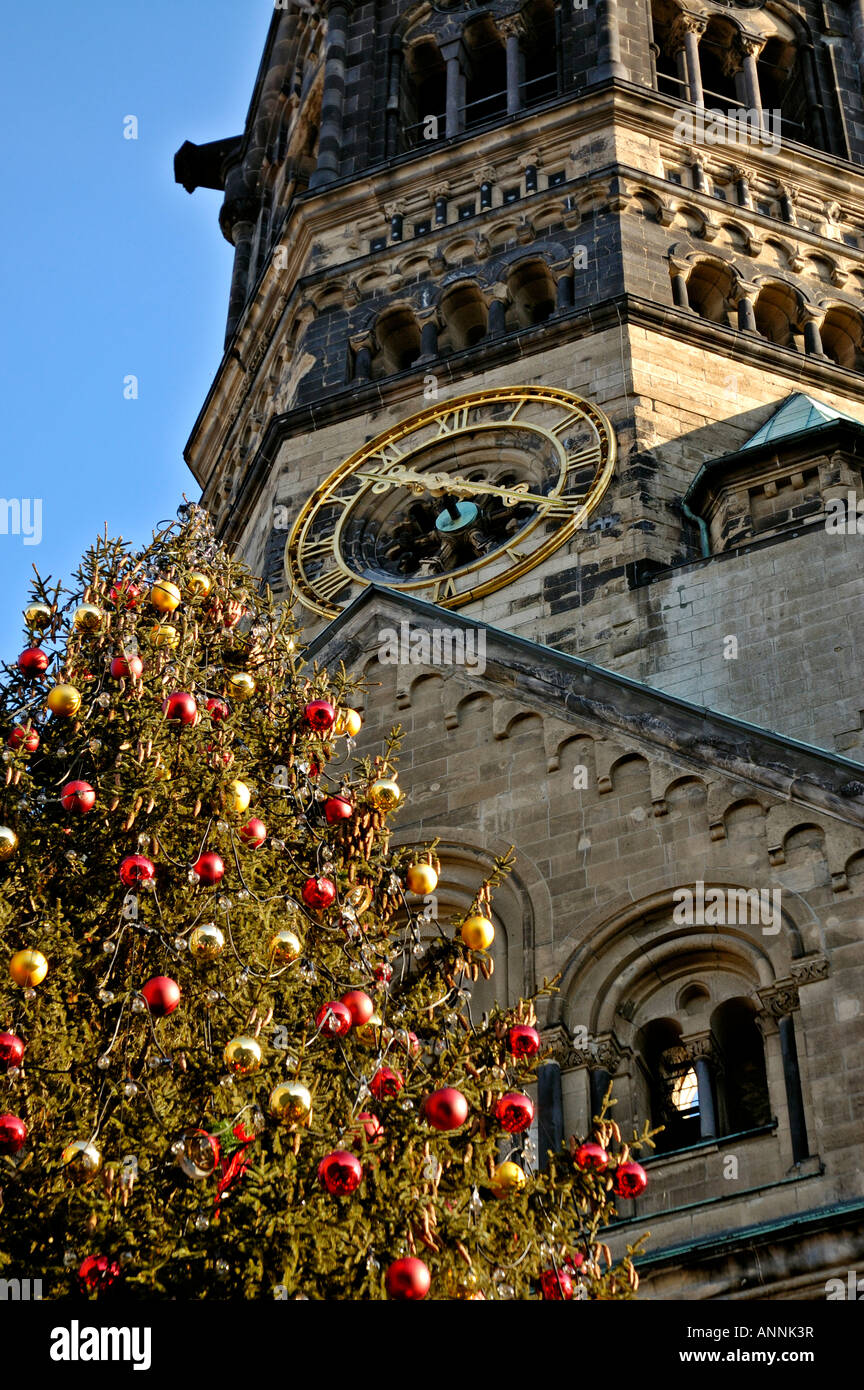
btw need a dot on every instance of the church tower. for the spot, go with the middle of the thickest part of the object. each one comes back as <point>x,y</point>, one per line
<point>543,400</point>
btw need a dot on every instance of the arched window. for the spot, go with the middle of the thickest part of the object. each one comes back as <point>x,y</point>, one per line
<point>532,292</point>
<point>777,311</point>
<point>843,338</point>
<point>424,91</point>
<point>398,336</point>
<point>709,291</point>
<point>742,1083</point>
<point>466,317</point>
<point>668,49</point>
<point>486,85</point>
<point>539,48</point>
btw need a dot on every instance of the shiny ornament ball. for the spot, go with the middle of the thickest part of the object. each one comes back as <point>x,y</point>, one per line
<point>12,1049</point>
<point>216,708</point>
<point>508,1178</point>
<point>320,715</point>
<point>340,1172</point>
<point>82,1160</point>
<point>285,946</point>
<point>161,995</point>
<point>28,968</point>
<point>370,1033</point>
<point>206,942</point>
<point>126,668</point>
<point>241,685</point>
<point>13,1134</point>
<point>333,1018</point>
<point>359,1006</point>
<point>26,739</point>
<point>253,833</point>
<point>165,596</point>
<point>591,1157</point>
<point>33,661</point>
<point>127,594</point>
<point>514,1112</point>
<point>556,1286</point>
<point>386,1083</point>
<point>371,1127</point>
<point>337,808</point>
<point>196,1152</point>
<point>37,615</point>
<point>239,797</point>
<point>290,1104</point>
<point>348,721</point>
<point>406,1041</point>
<point>8,842</point>
<point>164,635</point>
<point>78,796</point>
<point>87,617</point>
<point>523,1041</point>
<point>629,1180</point>
<point>421,879</point>
<point>97,1272</point>
<point>209,868</point>
<point>385,793</point>
<point>243,1055</point>
<point>383,972</point>
<point>445,1109</point>
<point>180,708</point>
<point>478,933</point>
<point>359,897</point>
<point>319,893</point>
<point>198,585</point>
<point>408,1279</point>
<point>136,868</point>
<point>64,700</point>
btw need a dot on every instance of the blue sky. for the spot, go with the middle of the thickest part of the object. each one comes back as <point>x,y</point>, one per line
<point>109,268</point>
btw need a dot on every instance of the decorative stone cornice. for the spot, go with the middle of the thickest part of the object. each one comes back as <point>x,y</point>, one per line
<point>812,968</point>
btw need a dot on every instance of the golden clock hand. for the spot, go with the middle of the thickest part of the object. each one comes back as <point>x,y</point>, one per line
<point>462,487</point>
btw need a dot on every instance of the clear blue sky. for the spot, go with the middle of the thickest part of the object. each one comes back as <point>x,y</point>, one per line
<point>109,268</point>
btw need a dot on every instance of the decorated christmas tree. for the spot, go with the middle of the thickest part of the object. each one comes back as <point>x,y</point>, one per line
<point>232,1063</point>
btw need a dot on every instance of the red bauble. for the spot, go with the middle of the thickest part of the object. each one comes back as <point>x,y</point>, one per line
<point>386,1083</point>
<point>572,1263</point>
<point>209,868</point>
<point>33,661</point>
<point>12,1050</point>
<point>13,1134</point>
<point>523,1041</point>
<point>333,1018</point>
<point>162,995</point>
<point>556,1286</point>
<point>406,1041</point>
<point>320,715</point>
<point>218,709</point>
<point>340,1172</point>
<point>336,808</point>
<point>408,1279</point>
<point>319,893</point>
<point>359,1005</point>
<point>445,1109</point>
<point>123,667</point>
<point>383,973</point>
<point>136,868</point>
<point>180,708</point>
<point>98,1272</point>
<point>254,833</point>
<point>28,739</point>
<point>130,595</point>
<point>629,1180</point>
<point>514,1112</point>
<point>373,1127</point>
<point>78,796</point>
<point>592,1157</point>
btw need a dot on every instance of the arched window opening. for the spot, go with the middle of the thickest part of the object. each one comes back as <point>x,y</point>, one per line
<point>843,338</point>
<point>540,53</point>
<point>532,292</point>
<point>398,338</point>
<point>486,85</point>
<point>720,65</point>
<point>673,1103</point>
<point>669,51</point>
<point>743,1082</point>
<point>783,88</point>
<point>777,315</point>
<point>424,91</point>
<point>466,317</point>
<point>709,291</point>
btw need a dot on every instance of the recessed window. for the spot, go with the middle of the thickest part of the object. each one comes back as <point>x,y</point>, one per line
<point>555,180</point>
<point>466,210</point>
<point>378,243</point>
<point>851,239</point>
<point>674,176</point>
<point>511,195</point>
<point>721,193</point>
<point>685,1093</point>
<point>421,228</point>
<point>765,207</point>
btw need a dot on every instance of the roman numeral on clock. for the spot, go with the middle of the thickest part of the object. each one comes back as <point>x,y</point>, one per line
<point>459,418</point>
<point>331,585</point>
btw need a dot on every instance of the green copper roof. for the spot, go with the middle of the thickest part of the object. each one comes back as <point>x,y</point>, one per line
<point>798,412</point>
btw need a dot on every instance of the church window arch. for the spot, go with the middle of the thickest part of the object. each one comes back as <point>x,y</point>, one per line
<point>710,290</point>
<point>531,287</point>
<point>397,335</point>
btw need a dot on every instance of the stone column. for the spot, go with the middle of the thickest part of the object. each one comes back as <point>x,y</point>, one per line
<point>550,1111</point>
<point>362,357</point>
<point>395,212</point>
<point>680,270</point>
<point>393,96</point>
<point>238,218</point>
<point>781,1002</point>
<point>750,50</point>
<point>576,1101</point>
<point>707,1112</point>
<point>693,28</point>
<point>428,336</point>
<point>333,98</point>
<point>441,193</point>
<point>746,312</point>
<point>497,312</point>
<point>788,198</point>
<point>512,29</point>
<point>564,294</point>
<point>742,179</point>
<point>813,319</point>
<point>609,63</point>
<point>453,54</point>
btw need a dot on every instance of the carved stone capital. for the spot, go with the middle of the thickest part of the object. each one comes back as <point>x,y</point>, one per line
<point>779,999</point>
<point>805,972</point>
<point>512,26</point>
<point>395,209</point>
<point>485,174</point>
<point>441,190</point>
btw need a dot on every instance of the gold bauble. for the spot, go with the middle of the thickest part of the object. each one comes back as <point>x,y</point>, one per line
<point>508,1177</point>
<point>290,1103</point>
<point>164,635</point>
<point>64,700</point>
<point>198,585</point>
<point>8,842</point>
<point>28,968</point>
<point>285,946</point>
<point>348,722</point>
<point>359,897</point>
<point>238,797</point>
<point>478,933</point>
<point>165,596</point>
<point>421,878</point>
<point>369,1033</point>
<point>241,685</point>
<point>82,1160</point>
<point>87,616</point>
<point>385,793</point>
<point>243,1056</point>
<point>37,615</point>
<point>207,942</point>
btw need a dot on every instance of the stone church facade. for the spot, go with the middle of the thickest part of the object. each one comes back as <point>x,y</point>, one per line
<point>628,635</point>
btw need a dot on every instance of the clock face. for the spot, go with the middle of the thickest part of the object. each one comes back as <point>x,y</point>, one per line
<point>454,502</point>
